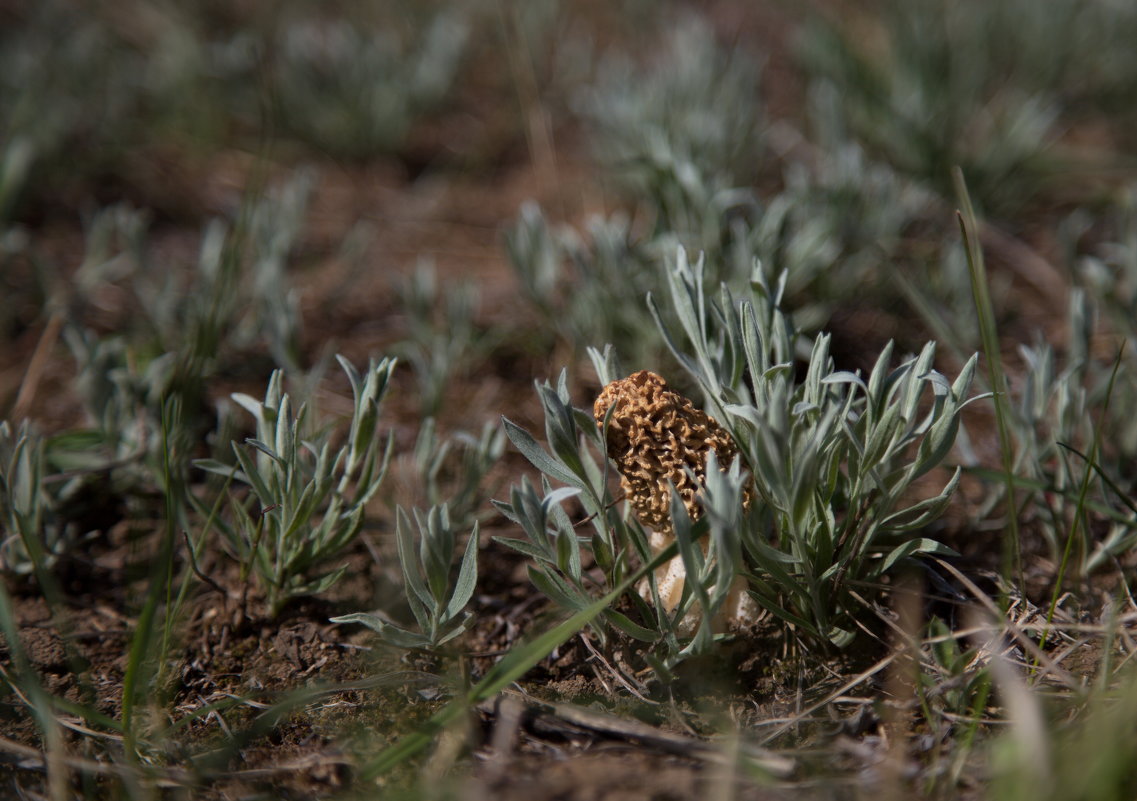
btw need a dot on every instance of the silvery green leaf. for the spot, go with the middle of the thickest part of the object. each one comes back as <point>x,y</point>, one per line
<point>353,376</point>
<point>529,448</point>
<point>924,512</point>
<point>298,513</point>
<point>455,629</point>
<point>388,632</point>
<point>467,577</point>
<point>266,450</point>
<point>566,543</point>
<point>528,549</point>
<point>251,404</point>
<point>757,358</point>
<point>605,364</point>
<point>371,620</point>
<point>940,385</point>
<point>374,472</point>
<point>922,546</point>
<point>436,550</point>
<point>686,284</point>
<point>936,445</point>
<point>559,496</point>
<point>531,512</point>
<point>563,394</point>
<point>845,377</point>
<point>26,488</point>
<point>748,413</point>
<point>568,555</point>
<point>583,422</point>
<point>963,381</point>
<point>321,584</point>
<point>249,469</point>
<point>877,447</point>
<point>556,588</point>
<point>602,551</point>
<point>285,434</point>
<point>780,288</point>
<point>777,607</point>
<point>507,510</point>
<point>683,359</point>
<point>818,366</point>
<point>221,469</point>
<point>878,377</point>
<point>633,630</point>
<point>419,597</point>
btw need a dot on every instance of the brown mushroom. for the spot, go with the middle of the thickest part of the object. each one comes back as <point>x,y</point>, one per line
<point>657,438</point>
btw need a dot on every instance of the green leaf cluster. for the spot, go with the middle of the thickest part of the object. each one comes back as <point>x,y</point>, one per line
<point>831,460</point>
<point>439,606</point>
<point>309,498</point>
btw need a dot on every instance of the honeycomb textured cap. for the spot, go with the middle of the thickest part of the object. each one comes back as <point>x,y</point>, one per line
<point>655,436</point>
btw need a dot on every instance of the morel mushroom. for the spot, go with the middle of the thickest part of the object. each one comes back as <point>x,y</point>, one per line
<point>657,438</point>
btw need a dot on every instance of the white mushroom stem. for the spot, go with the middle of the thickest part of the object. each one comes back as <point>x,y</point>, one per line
<point>739,609</point>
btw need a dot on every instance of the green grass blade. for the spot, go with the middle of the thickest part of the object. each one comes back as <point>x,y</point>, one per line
<point>528,446</point>
<point>969,227</point>
<point>139,657</point>
<point>28,682</point>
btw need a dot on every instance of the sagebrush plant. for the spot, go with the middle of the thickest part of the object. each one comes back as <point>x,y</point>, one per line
<point>73,103</point>
<point>53,488</point>
<point>1108,275</point>
<point>350,84</point>
<point>987,87</point>
<point>1072,435</point>
<point>443,338</point>
<point>438,604</point>
<point>587,286</point>
<point>689,141</point>
<point>263,243</point>
<point>1069,427</point>
<point>831,462</point>
<point>831,231</point>
<point>835,227</point>
<point>685,131</point>
<point>174,330</point>
<point>354,87</point>
<point>235,297</point>
<point>112,92</point>
<point>453,469</point>
<point>550,535</point>
<point>307,498</point>
<point>841,224</point>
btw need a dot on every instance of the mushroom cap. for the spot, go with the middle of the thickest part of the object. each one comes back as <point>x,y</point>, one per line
<point>655,437</point>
